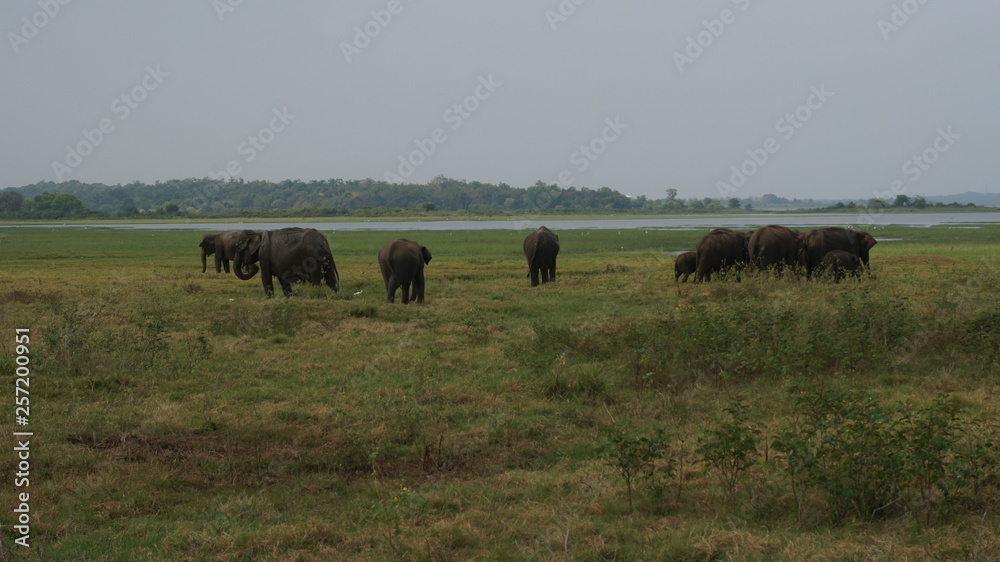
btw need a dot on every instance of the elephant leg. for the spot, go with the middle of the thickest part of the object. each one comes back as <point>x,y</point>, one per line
<point>418,287</point>
<point>533,272</point>
<point>406,293</point>
<point>286,279</point>
<point>218,263</point>
<point>316,276</point>
<point>225,265</point>
<point>390,289</point>
<point>267,281</point>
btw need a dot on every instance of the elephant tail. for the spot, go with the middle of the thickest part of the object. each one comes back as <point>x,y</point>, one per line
<point>533,253</point>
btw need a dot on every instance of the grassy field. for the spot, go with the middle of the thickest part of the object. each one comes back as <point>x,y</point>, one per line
<point>613,414</point>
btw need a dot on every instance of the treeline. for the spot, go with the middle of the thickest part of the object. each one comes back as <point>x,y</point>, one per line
<point>335,196</point>
<point>208,198</point>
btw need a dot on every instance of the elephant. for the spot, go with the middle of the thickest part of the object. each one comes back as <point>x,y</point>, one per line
<point>541,248</point>
<point>837,264</point>
<point>685,265</point>
<point>817,243</point>
<point>718,250</point>
<point>402,263</point>
<point>223,245</point>
<point>773,246</point>
<point>290,254</point>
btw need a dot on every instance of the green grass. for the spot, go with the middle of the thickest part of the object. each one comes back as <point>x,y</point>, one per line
<point>180,415</point>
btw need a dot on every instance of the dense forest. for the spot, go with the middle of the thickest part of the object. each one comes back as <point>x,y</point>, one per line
<point>220,198</point>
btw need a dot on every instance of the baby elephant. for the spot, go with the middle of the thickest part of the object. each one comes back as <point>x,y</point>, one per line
<point>685,265</point>
<point>402,263</point>
<point>837,264</point>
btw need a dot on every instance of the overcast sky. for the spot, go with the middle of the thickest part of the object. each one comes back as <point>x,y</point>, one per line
<point>734,98</point>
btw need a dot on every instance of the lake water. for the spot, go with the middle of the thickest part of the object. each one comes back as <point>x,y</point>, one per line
<point>684,222</point>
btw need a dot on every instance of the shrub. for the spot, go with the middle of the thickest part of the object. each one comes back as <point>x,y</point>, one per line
<point>871,460</point>
<point>731,448</point>
<point>363,311</point>
<point>635,457</point>
<point>848,447</point>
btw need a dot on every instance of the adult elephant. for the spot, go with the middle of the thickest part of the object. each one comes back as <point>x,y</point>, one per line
<point>719,250</point>
<point>684,266</point>
<point>541,248</point>
<point>402,263</point>
<point>817,243</point>
<point>223,245</point>
<point>290,254</point>
<point>773,247</point>
<point>838,264</point>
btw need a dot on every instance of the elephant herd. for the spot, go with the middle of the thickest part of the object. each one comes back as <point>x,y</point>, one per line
<point>833,252</point>
<point>303,255</point>
<point>290,254</point>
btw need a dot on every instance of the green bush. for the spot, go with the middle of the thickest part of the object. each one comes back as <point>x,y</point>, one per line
<point>870,460</point>
<point>731,447</point>
<point>634,457</point>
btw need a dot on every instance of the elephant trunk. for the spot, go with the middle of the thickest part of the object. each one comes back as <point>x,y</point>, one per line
<point>244,271</point>
<point>204,262</point>
<point>332,276</point>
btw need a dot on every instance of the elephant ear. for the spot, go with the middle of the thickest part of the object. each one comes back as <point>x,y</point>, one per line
<point>253,244</point>
<point>248,247</point>
<point>426,254</point>
<point>867,241</point>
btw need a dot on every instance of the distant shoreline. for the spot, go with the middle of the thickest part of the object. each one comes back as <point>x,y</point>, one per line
<point>518,222</point>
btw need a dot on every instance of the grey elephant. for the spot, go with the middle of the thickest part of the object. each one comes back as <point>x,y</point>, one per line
<point>773,247</point>
<point>223,245</point>
<point>838,264</point>
<point>402,264</point>
<point>817,243</point>
<point>720,250</point>
<point>541,248</point>
<point>290,254</point>
<point>684,266</point>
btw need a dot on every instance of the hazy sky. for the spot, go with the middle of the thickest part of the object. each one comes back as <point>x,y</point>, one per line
<point>845,99</point>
